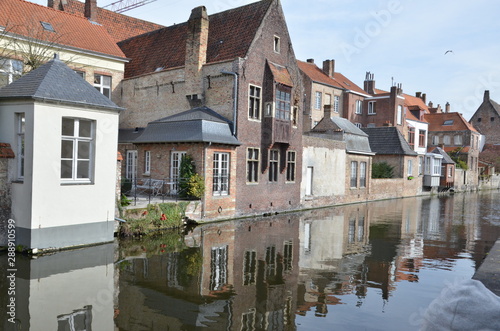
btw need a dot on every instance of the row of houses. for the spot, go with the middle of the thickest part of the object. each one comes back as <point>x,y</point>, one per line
<point>267,133</point>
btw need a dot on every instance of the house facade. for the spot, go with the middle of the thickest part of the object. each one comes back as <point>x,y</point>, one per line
<point>486,119</point>
<point>242,69</point>
<point>64,140</point>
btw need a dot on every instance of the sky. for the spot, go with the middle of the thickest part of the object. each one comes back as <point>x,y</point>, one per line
<point>399,41</point>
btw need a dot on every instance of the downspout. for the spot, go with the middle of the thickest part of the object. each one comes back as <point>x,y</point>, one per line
<point>235,91</point>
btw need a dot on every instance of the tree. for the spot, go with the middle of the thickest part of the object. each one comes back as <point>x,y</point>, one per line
<point>191,184</point>
<point>455,156</point>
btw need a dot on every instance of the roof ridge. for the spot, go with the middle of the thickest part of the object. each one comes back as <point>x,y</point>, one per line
<point>54,10</point>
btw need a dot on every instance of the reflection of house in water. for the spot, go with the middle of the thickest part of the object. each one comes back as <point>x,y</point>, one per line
<point>70,290</point>
<point>333,248</point>
<point>195,287</point>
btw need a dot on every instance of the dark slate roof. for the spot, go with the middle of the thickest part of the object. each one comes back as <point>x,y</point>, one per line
<point>129,135</point>
<point>56,82</point>
<point>355,139</point>
<point>230,35</point>
<point>388,140</point>
<point>446,158</point>
<point>200,124</point>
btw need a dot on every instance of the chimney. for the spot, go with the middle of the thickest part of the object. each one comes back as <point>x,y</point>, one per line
<point>329,67</point>
<point>196,53</point>
<point>418,94</point>
<point>327,111</point>
<point>310,60</point>
<point>431,105</point>
<point>424,97</point>
<point>369,85</point>
<point>56,4</point>
<point>486,96</point>
<point>447,107</point>
<point>91,10</point>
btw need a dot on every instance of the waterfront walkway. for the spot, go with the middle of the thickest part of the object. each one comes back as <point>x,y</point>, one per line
<point>489,271</point>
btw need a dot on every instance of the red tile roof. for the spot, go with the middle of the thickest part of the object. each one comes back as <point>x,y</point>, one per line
<point>230,35</point>
<point>5,151</point>
<point>119,26</point>
<point>338,80</point>
<point>281,74</point>
<point>23,18</point>
<point>437,120</point>
<point>414,102</point>
<point>448,149</point>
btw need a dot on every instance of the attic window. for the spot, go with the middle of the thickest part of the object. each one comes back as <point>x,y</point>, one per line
<point>159,69</point>
<point>276,44</point>
<point>448,122</point>
<point>47,26</point>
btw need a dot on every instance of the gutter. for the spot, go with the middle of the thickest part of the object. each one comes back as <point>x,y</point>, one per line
<point>235,101</point>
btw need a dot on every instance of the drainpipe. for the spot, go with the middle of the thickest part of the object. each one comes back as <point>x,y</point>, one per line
<point>235,106</point>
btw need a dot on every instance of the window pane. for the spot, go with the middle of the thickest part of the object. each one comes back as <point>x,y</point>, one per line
<point>85,128</point>
<point>67,149</point>
<point>67,169</point>
<point>106,81</point>
<point>84,150</point>
<point>68,127</point>
<point>83,169</point>
<point>105,91</point>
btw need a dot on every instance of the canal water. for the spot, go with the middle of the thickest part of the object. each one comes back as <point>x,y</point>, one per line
<point>370,266</point>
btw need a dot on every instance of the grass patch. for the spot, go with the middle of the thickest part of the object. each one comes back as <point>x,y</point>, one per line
<point>153,218</point>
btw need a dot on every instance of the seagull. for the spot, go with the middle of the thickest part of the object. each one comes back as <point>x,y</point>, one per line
<point>449,51</point>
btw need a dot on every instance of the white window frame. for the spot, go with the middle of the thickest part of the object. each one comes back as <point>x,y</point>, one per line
<point>147,162</point>
<point>221,173</point>
<point>101,84</point>
<point>291,162</point>
<point>410,168</point>
<point>254,102</point>
<point>175,165</point>
<point>362,174</point>
<point>318,100</point>
<point>457,140</point>
<point>437,167</point>
<point>336,103</point>
<point>274,161</point>
<point>372,108</point>
<point>131,164</point>
<point>435,140</point>
<point>358,125</point>
<point>10,68</point>
<point>76,158</point>
<point>420,164</point>
<point>450,171</point>
<point>20,130</point>
<point>399,117</point>
<point>354,174</point>
<point>359,107</point>
<point>446,140</point>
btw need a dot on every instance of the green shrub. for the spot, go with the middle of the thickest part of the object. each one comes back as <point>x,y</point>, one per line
<point>191,184</point>
<point>382,170</point>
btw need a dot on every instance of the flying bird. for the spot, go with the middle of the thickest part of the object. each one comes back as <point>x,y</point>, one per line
<point>449,51</point>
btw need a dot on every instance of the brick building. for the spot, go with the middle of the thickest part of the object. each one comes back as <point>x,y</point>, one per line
<point>486,119</point>
<point>240,64</point>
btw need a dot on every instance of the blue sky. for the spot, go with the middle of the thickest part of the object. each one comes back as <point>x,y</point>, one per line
<point>400,41</point>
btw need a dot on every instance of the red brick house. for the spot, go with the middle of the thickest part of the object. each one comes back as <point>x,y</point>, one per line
<point>239,64</point>
<point>486,119</point>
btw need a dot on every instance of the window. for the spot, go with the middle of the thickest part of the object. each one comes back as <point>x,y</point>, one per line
<point>295,114</point>
<point>21,129</point>
<point>270,261</point>
<point>147,162</point>
<point>282,105</point>
<point>450,171</point>
<point>428,165</point>
<point>457,140</point>
<point>354,174</point>
<point>328,99</point>
<point>359,107</point>
<point>420,164</point>
<point>435,140</point>
<point>103,84</point>
<point>288,255</point>
<point>410,168</point>
<point>47,26</point>
<point>175,164</point>
<point>446,140</point>
<point>479,119</point>
<point>249,267</point>
<point>221,174</point>
<point>10,70</point>
<point>371,108</point>
<point>290,166</point>
<point>399,119</point>
<point>448,122</point>
<point>351,232</point>
<point>130,168</point>
<point>358,125</point>
<point>277,44</point>
<point>437,167</point>
<point>218,268</point>
<point>273,165</point>
<point>336,101</point>
<point>318,101</point>
<point>411,136</point>
<point>421,138</point>
<point>492,119</point>
<point>254,102</point>
<point>77,148</point>
<point>253,165</point>
<point>80,73</point>
<point>362,174</point>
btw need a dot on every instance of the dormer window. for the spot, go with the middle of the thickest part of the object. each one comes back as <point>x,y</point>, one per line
<point>448,122</point>
<point>47,26</point>
<point>277,44</point>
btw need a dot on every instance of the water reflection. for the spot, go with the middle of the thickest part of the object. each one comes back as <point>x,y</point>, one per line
<point>363,266</point>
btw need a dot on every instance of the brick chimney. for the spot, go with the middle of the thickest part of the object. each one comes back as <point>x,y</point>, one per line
<point>327,111</point>
<point>310,60</point>
<point>447,107</point>
<point>369,85</point>
<point>486,96</point>
<point>431,105</point>
<point>329,67</point>
<point>196,52</point>
<point>91,10</point>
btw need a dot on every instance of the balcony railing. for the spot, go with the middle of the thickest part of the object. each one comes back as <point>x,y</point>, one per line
<point>164,189</point>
